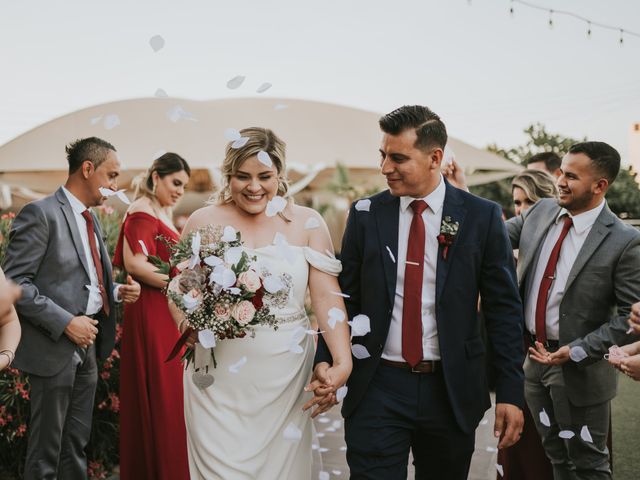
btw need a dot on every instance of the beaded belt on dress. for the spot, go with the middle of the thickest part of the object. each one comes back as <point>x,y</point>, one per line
<point>291,317</point>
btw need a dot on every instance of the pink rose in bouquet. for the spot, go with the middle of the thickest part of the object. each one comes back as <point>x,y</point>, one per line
<point>243,312</point>
<point>250,280</point>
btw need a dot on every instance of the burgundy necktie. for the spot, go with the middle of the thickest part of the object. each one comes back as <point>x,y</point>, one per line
<point>412,302</point>
<point>547,281</point>
<point>96,260</point>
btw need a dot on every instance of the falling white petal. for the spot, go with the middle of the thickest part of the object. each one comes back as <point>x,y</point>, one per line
<point>106,192</point>
<point>341,393</point>
<point>272,284</point>
<point>544,418</point>
<point>360,351</point>
<point>123,197</point>
<point>324,419</point>
<point>156,42</point>
<point>363,205</point>
<point>323,475</point>
<point>484,421</point>
<point>360,325</point>
<point>337,472</point>
<point>95,120</point>
<point>235,82</point>
<point>280,106</point>
<point>177,113</point>
<point>585,434</point>
<point>393,259</point>
<point>274,206</point>
<point>239,143</point>
<point>160,93</point>
<point>500,469</point>
<point>144,248</point>
<point>111,121</point>
<point>264,87</point>
<point>265,159</point>
<point>233,255</point>
<point>340,294</point>
<point>292,433</point>
<point>232,134</point>
<point>332,323</point>
<point>336,423</point>
<point>577,354</point>
<point>322,449</point>
<point>492,449</point>
<point>229,234</point>
<point>311,223</point>
<point>566,434</point>
<point>225,277</point>
<point>235,367</point>
<point>343,448</point>
<point>207,338</point>
<point>629,330</point>
<point>336,313</point>
<point>190,303</point>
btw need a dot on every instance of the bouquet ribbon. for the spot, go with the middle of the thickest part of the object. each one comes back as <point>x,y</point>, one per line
<point>179,344</point>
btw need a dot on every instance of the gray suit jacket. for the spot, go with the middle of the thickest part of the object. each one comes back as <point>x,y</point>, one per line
<point>602,285</point>
<point>46,258</point>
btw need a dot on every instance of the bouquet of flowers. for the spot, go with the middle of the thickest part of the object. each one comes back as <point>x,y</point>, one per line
<point>218,287</point>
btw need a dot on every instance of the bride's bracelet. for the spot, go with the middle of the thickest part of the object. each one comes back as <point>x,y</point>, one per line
<point>9,354</point>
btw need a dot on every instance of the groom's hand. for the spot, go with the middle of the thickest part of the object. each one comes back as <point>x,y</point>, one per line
<point>323,391</point>
<point>509,424</point>
<point>82,330</point>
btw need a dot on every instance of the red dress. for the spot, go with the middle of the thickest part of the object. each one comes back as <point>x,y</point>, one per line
<point>153,442</point>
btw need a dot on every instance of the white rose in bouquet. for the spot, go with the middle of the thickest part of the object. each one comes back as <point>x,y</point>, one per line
<point>243,312</point>
<point>250,280</point>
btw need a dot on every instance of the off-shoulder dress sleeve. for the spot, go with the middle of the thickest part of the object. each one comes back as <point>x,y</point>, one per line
<point>322,262</point>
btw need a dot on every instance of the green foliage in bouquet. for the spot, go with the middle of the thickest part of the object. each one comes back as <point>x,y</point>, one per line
<point>102,451</point>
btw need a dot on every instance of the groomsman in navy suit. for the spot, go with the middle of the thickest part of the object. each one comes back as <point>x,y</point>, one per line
<point>416,258</point>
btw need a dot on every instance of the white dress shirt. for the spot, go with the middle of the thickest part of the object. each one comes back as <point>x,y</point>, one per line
<point>432,218</point>
<point>571,245</point>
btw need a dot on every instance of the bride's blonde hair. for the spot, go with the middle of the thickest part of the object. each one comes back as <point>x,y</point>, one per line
<point>260,139</point>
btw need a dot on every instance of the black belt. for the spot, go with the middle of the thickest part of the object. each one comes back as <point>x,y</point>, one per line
<point>426,366</point>
<point>550,345</point>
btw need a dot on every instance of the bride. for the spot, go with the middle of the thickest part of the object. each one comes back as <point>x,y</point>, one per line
<point>250,424</point>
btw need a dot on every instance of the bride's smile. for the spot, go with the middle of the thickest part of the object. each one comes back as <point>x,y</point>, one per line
<point>253,185</point>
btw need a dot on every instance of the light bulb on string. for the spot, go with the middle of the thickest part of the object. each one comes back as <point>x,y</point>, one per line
<point>511,8</point>
<point>621,37</point>
<point>589,30</point>
<point>550,18</point>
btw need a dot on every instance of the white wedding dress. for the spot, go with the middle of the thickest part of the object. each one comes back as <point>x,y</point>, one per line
<point>249,424</point>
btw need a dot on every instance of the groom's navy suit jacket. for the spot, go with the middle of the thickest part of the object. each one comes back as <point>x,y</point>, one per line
<point>479,262</point>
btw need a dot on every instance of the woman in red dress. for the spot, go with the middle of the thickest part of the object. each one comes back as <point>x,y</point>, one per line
<point>152,430</point>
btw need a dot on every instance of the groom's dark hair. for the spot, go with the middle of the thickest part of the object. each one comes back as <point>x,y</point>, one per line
<point>93,149</point>
<point>604,158</point>
<point>429,128</point>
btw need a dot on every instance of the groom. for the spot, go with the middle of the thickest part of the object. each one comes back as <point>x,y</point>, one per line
<point>67,312</point>
<point>415,259</point>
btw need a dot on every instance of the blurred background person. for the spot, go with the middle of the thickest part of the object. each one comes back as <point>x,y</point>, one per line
<point>9,323</point>
<point>529,186</point>
<point>152,430</point>
<point>546,161</point>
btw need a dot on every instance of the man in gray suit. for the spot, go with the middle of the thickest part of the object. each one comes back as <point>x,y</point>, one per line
<point>578,273</point>
<point>57,255</point>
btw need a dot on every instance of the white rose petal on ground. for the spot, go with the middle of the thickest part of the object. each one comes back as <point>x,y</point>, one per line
<point>577,354</point>
<point>360,325</point>
<point>207,338</point>
<point>292,433</point>
<point>341,393</point>
<point>157,43</point>
<point>322,449</point>
<point>336,424</point>
<point>111,121</point>
<point>144,248</point>
<point>544,418</point>
<point>160,93</point>
<point>360,351</point>
<point>264,87</point>
<point>337,472</point>
<point>274,206</point>
<point>229,234</point>
<point>324,476</point>
<point>235,367</point>
<point>265,159</point>
<point>492,449</point>
<point>311,223</point>
<point>393,259</point>
<point>330,430</point>
<point>232,134</point>
<point>363,205</point>
<point>239,143</point>
<point>235,82</point>
<point>213,261</point>
<point>272,284</point>
<point>500,469</point>
<point>585,434</point>
<point>484,421</point>
<point>343,448</point>
<point>566,434</point>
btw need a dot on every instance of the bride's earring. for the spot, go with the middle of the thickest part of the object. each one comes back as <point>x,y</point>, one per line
<point>153,190</point>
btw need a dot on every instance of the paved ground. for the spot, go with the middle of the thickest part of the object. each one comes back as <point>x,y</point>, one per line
<point>332,448</point>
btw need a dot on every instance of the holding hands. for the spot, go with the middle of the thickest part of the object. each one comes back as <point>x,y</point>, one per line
<point>325,382</point>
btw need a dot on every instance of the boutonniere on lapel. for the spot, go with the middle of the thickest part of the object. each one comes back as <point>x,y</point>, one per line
<point>448,232</point>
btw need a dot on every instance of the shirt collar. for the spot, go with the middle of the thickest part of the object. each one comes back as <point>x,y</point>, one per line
<point>435,199</point>
<point>77,206</point>
<point>584,220</point>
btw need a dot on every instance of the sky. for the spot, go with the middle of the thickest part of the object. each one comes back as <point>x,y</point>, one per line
<point>487,73</point>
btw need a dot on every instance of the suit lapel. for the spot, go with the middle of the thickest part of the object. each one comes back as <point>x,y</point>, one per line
<point>539,234</point>
<point>453,208</point>
<point>73,228</point>
<point>598,233</point>
<point>387,215</point>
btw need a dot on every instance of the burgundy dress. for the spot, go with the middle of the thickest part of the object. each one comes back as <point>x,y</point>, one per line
<point>152,431</point>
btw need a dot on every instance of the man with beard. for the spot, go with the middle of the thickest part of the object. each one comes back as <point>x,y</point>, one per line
<point>577,271</point>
